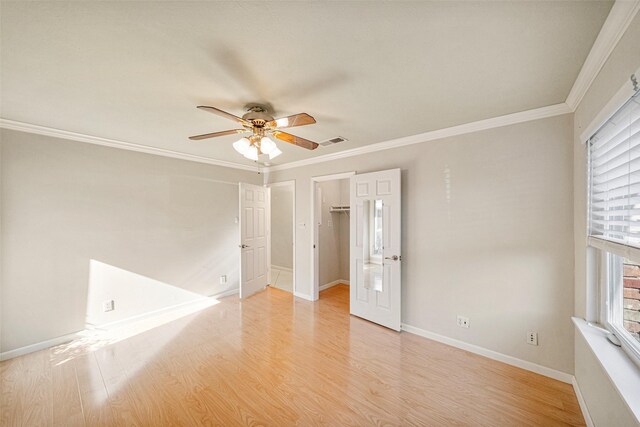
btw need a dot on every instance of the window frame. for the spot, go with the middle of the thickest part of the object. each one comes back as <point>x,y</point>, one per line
<point>609,280</point>
<point>612,311</point>
<point>607,266</point>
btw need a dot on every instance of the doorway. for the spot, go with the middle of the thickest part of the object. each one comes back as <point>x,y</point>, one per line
<point>330,229</point>
<point>282,236</point>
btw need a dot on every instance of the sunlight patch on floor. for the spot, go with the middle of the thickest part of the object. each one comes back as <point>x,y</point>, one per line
<point>94,339</point>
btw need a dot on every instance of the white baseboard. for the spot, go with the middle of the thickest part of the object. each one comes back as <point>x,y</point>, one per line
<point>153,313</point>
<point>303,296</point>
<point>116,324</point>
<point>38,346</point>
<point>509,360</point>
<point>279,267</point>
<point>583,405</point>
<point>331,284</point>
<point>225,293</point>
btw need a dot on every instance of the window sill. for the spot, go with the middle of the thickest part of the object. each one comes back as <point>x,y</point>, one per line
<point>623,373</point>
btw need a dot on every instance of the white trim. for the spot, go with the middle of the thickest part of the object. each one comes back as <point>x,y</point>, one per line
<point>268,227</point>
<point>39,346</point>
<point>622,372</point>
<point>334,283</point>
<point>73,136</point>
<point>281,183</point>
<point>617,22</point>
<point>333,177</point>
<point>169,308</point>
<point>225,293</point>
<point>583,405</point>
<point>70,337</point>
<point>495,122</point>
<point>279,267</point>
<point>615,103</point>
<point>303,296</point>
<point>630,252</point>
<point>620,16</point>
<point>509,360</point>
<point>315,280</point>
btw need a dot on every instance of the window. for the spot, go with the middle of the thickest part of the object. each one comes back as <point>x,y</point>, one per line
<point>614,222</point>
<point>377,228</point>
<point>621,297</point>
<point>631,299</point>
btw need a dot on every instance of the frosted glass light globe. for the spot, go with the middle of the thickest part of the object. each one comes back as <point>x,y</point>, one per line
<point>274,153</point>
<point>242,145</point>
<point>252,153</point>
<point>267,145</point>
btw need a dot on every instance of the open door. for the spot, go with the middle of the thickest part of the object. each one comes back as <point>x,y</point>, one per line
<point>375,247</point>
<point>254,221</point>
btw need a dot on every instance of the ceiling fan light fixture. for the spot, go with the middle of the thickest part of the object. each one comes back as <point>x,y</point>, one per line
<point>242,145</point>
<point>252,153</point>
<point>267,145</point>
<point>261,145</point>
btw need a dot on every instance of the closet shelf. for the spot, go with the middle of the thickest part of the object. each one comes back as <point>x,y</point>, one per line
<point>339,209</point>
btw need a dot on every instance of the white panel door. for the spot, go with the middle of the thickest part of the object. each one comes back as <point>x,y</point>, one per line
<point>375,247</point>
<point>254,223</point>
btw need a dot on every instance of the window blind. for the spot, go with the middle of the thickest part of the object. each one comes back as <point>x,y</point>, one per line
<point>614,177</point>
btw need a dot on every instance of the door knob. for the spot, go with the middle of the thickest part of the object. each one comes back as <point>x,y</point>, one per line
<point>394,258</point>
<point>243,246</point>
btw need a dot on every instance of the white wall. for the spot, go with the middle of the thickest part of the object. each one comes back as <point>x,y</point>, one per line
<point>487,233</point>
<point>605,406</point>
<point>282,226</point>
<point>67,203</point>
<point>599,393</point>
<point>134,295</point>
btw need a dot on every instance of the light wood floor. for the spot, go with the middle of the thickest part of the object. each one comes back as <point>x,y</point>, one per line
<point>274,361</point>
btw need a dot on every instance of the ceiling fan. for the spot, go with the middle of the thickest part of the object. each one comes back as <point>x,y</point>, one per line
<point>260,124</point>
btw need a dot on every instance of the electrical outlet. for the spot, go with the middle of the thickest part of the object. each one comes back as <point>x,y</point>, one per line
<point>108,306</point>
<point>532,338</point>
<point>223,279</point>
<point>463,322</point>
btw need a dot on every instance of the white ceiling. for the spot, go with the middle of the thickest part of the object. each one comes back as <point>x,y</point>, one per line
<point>368,71</point>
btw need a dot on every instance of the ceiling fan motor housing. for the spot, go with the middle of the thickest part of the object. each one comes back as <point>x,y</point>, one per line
<point>258,116</point>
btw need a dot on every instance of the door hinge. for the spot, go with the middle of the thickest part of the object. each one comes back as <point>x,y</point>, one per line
<point>634,81</point>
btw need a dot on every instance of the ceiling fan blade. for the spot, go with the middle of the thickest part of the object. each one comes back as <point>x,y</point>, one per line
<point>300,119</point>
<point>215,134</point>
<point>296,140</point>
<point>224,114</point>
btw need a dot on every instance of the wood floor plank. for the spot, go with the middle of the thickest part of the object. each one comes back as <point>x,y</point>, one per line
<point>66,399</point>
<point>272,360</point>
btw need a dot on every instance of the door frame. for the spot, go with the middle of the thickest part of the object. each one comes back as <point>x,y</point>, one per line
<point>293,225</point>
<point>313,252</point>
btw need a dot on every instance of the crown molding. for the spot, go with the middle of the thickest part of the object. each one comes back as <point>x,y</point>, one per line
<point>617,22</point>
<point>509,119</point>
<point>621,14</point>
<point>57,133</point>
<point>495,122</point>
